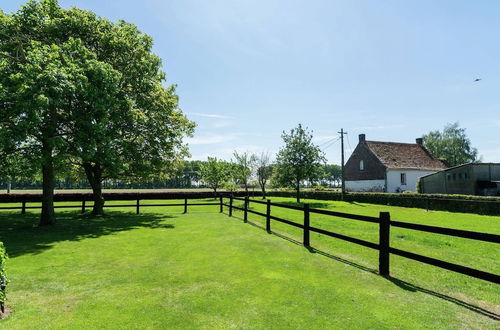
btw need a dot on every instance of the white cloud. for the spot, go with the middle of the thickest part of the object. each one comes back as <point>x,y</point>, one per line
<point>210,139</point>
<point>210,115</point>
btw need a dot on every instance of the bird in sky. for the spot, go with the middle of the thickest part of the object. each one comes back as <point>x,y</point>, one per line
<point>477,79</point>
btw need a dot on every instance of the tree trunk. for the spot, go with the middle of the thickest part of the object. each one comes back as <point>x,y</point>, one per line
<point>263,187</point>
<point>94,176</point>
<point>298,192</point>
<point>48,216</point>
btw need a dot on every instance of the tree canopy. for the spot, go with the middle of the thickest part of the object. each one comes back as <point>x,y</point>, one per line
<point>77,89</point>
<point>452,145</point>
<point>298,160</point>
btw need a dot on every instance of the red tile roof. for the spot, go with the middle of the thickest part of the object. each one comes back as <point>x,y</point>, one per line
<point>405,155</point>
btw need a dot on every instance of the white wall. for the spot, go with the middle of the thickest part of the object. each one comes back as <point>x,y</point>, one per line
<point>394,179</point>
<point>365,185</point>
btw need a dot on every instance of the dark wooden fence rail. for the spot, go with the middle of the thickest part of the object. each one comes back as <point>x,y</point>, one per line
<point>385,224</point>
<point>137,205</point>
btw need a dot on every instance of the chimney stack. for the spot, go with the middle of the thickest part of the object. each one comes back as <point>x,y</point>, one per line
<point>420,141</point>
<point>362,138</point>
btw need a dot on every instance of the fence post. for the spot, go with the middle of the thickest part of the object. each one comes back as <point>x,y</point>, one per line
<point>83,206</point>
<point>185,205</point>
<point>245,217</point>
<point>306,224</point>
<point>137,207</point>
<point>231,205</point>
<point>23,210</point>
<point>221,209</point>
<point>384,242</point>
<point>268,216</point>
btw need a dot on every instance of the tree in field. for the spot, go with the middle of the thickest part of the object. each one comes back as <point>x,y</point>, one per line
<point>214,173</point>
<point>452,145</point>
<point>244,166</point>
<point>264,171</point>
<point>78,89</point>
<point>332,174</point>
<point>298,160</point>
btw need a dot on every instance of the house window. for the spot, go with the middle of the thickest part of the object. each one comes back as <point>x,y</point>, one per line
<point>449,177</point>
<point>361,165</point>
<point>403,179</point>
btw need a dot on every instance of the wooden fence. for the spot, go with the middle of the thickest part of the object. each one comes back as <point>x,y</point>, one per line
<point>385,223</point>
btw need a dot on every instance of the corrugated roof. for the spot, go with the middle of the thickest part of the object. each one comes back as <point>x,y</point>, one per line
<point>405,155</point>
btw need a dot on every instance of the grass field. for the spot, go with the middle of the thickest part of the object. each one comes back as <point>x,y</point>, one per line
<point>165,269</point>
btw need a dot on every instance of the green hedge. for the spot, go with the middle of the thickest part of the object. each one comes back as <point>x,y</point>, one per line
<point>3,259</point>
<point>453,203</point>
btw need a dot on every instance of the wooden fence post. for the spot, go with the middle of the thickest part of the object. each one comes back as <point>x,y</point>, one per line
<point>83,206</point>
<point>221,208</point>
<point>306,224</point>
<point>268,216</point>
<point>137,207</point>
<point>185,205</point>
<point>231,205</point>
<point>245,216</point>
<point>384,243</point>
<point>23,210</point>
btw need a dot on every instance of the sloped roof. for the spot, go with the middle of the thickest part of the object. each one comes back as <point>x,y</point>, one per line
<point>405,155</point>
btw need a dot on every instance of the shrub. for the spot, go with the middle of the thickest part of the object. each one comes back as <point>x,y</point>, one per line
<point>452,203</point>
<point>319,188</point>
<point>3,275</point>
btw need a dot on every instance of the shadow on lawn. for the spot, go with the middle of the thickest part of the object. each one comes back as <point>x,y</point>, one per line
<point>400,283</point>
<point>21,235</point>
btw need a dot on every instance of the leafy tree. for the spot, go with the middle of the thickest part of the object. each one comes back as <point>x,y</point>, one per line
<point>77,88</point>
<point>243,171</point>
<point>332,174</point>
<point>214,173</point>
<point>264,171</point>
<point>452,145</point>
<point>298,160</point>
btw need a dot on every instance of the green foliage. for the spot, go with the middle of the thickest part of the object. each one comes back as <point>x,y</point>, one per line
<point>452,145</point>
<point>245,163</point>
<point>230,186</point>
<point>214,172</point>
<point>3,274</point>
<point>332,174</point>
<point>298,160</point>
<point>452,203</point>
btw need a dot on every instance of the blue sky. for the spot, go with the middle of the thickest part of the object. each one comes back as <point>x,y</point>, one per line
<point>394,70</point>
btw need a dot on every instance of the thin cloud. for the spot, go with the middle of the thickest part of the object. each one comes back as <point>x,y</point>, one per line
<point>211,139</point>
<point>210,115</point>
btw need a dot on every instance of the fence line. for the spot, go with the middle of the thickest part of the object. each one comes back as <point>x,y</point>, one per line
<point>385,224</point>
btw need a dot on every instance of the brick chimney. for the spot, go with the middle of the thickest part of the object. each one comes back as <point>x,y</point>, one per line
<point>362,138</point>
<point>420,141</point>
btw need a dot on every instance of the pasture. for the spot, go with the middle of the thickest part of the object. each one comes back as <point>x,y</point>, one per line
<point>203,269</point>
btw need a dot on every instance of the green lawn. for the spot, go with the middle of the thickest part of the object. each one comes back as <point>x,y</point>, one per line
<point>165,269</point>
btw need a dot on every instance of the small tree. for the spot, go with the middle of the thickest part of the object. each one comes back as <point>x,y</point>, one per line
<point>298,160</point>
<point>332,174</point>
<point>452,145</point>
<point>264,171</point>
<point>243,171</point>
<point>214,173</point>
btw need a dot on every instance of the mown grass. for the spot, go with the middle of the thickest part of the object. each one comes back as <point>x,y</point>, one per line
<point>165,269</point>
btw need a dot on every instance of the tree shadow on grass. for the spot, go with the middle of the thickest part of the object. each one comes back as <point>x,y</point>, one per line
<point>21,235</point>
<point>400,283</point>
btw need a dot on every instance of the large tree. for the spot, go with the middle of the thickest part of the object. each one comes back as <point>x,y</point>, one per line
<point>332,174</point>
<point>107,109</point>
<point>298,160</point>
<point>452,145</point>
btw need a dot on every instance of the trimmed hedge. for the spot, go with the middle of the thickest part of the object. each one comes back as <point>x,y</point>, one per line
<point>117,196</point>
<point>452,203</point>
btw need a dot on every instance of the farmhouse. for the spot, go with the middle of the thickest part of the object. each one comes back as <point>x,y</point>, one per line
<point>389,166</point>
<point>467,179</point>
